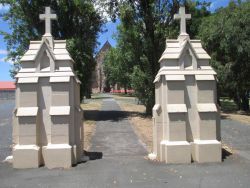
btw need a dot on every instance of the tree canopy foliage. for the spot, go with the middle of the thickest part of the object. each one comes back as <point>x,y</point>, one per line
<point>78,22</point>
<point>142,32</point>
<point>141,37</point>
<point>225,35</point>
<point>117,69</point>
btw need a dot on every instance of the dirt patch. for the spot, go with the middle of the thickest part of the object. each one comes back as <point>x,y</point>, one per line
<point>89,125</point>
<point>238,116</point>
<point>229,111</point>
<point>120,97</point>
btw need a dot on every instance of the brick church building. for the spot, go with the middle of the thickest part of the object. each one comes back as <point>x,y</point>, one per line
<point>98,80</point>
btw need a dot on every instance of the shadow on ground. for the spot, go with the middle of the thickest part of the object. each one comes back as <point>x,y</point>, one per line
<point>226,115</point>
<point>98,115</point>
<point>225,154</point>
<point>101,97</point>
<point>93,155</point>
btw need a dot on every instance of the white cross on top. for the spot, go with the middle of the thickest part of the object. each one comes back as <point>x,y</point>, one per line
<point>183,17</point>
<point>47,17</point>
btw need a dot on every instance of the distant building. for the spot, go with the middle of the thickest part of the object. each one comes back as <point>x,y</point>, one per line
<point>7,90</point>
<point>98,80</point>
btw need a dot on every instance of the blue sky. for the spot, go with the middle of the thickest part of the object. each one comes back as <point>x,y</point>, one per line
<point>103,37</point>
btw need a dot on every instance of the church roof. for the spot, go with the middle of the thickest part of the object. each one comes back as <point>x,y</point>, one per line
<point>59,51</point>
<point>174,49</point>
<point>106,45</point>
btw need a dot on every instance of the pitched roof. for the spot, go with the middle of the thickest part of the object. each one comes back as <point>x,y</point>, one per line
<point>175,49</point>
<point>7,86</point>
<point>106,45</point>
<point>59,52</point>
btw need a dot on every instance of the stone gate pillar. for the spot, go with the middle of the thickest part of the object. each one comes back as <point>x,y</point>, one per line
<point>186,120</point>
<point>48,128</point>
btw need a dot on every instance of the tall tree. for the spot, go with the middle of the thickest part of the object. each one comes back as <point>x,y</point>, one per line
<point>144,27</point>
<point>226,37</point>
<point>117,69</point>
<point>78,22</point>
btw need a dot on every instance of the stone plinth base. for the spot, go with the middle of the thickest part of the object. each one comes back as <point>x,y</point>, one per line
<point>77,154</point>
<point>175,152</point>
<point>57,156</point>
<point>204,151</point>
<point>26,156</point>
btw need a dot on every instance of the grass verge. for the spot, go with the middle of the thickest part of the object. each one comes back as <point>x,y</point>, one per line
<point>229,111</point>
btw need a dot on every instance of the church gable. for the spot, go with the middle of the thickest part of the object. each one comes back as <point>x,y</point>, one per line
<point>102,52</point>
<point>98,79</point>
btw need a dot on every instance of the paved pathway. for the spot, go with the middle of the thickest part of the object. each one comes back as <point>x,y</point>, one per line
<point>120,162</point>
<point>114,135</point>
<point>237,136</point>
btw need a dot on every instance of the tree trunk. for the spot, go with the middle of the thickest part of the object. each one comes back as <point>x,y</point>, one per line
<point>244,101</point>
<point>81,94</point>
<point>88,93</point>
<point>218,95</point>
<point>125,89</point>
<point>149,109</point>
<point>150,105</point>
<point>237,101</point>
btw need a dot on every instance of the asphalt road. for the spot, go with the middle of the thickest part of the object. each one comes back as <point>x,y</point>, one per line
<point>6,109</point>
<point>117,160</point>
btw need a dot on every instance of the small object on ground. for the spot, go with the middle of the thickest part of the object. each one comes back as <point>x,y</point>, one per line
<point>8,159</point>
<point>152,156</point>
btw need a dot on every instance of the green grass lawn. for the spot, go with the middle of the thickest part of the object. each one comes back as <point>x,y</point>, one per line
<point>227,104</point>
